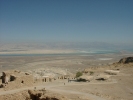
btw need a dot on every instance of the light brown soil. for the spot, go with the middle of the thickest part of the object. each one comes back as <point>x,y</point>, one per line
<point>119,87</point>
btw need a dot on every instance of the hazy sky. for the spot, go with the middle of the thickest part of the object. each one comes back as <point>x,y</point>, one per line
<point>66,20</point>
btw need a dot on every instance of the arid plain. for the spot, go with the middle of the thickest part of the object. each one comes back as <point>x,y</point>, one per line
<point>118,87</point>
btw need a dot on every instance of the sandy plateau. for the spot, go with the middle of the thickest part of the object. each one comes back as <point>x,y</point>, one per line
<point>53,77</point>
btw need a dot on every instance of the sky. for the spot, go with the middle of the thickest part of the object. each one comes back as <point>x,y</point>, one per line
<point>108,21</point>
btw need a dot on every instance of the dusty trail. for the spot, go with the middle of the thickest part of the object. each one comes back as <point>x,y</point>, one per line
<point>90,96</point>
<point>49,87</point>
<point>55,88</point>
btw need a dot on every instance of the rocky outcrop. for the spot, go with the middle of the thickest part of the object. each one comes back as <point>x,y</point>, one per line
<point>112,72</point>
<point>102,77</point>
<point>36,95</point>
<point>85,78</point>
<point>33,95</point>
<point>126,60</point>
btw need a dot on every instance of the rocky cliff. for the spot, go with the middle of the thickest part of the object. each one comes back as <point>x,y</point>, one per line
<point>126,60</point>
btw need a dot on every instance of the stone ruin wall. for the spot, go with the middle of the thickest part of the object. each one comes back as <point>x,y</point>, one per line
<point>26,80</point>
<point>19,82</point>
<point>49,79</point>
<point>14,79</point>
<point>43,79</point>
<point>11,80</point>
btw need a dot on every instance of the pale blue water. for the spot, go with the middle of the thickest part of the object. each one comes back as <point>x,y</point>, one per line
<point>79,52</point>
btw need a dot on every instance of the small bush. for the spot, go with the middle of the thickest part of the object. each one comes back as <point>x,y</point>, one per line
<point>91,73</point>
<point>78,74</point>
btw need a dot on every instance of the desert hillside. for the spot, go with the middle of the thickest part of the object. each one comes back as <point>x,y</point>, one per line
<point>104,82</point>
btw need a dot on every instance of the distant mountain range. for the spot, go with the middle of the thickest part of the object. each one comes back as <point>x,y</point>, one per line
<point>64,45</point>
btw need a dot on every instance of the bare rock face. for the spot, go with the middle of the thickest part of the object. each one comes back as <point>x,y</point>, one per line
<point>126,60</point>
<point>43,95</point>
<point>33,95</point>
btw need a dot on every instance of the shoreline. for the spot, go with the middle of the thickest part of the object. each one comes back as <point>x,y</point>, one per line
<point>53,53</point>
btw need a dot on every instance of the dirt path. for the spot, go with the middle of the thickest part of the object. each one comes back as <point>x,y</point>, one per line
<point>55,87</point>
<point>90,96</point>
